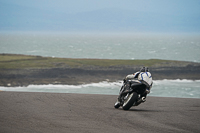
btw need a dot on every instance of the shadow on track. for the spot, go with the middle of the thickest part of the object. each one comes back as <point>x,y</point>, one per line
<point>139,110</point>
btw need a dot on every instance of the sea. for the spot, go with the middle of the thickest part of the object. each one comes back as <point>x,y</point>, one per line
<point>131,46</point>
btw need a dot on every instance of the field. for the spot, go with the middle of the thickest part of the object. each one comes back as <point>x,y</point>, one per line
<point>12,61</point>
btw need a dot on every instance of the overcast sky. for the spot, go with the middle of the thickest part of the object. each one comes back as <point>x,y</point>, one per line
<point>180,10</point>
<point>164,6</point>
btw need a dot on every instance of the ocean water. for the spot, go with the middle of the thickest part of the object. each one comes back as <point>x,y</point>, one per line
<point>104,46</point>
<point>161,88</point>
<point>182,47</point>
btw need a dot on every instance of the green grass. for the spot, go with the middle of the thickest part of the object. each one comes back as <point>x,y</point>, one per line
<point>11,61</point>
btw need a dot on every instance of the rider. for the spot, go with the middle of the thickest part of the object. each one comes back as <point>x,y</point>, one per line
<point>139,76</point>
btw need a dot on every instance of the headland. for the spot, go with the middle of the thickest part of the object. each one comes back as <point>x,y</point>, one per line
<point>23,70</point>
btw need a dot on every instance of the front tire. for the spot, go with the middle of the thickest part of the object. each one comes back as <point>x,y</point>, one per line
<point>128,103</point>
<point>117,105</point>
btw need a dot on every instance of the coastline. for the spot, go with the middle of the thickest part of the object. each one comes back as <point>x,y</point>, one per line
<point>23,70</point>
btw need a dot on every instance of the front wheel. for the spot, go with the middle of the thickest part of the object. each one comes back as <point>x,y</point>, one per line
<point>128,102</point>
<point>117,105</point>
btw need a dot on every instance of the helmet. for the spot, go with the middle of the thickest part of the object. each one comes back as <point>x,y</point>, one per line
<point>144,69</point>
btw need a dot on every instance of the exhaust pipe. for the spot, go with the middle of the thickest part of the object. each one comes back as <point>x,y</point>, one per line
<point>143,99</point>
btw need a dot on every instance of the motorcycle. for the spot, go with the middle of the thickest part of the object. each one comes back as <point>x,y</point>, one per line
<point>133,92</point>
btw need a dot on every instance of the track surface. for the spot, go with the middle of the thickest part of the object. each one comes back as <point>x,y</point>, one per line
<point>22,112</point>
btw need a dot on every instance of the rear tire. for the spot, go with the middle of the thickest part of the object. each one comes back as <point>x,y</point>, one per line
<point>128,103</point>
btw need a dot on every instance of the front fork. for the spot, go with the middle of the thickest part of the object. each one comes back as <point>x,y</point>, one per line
<point>123,93</point>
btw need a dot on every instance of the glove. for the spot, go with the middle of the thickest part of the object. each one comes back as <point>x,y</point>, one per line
<point>147,91</point>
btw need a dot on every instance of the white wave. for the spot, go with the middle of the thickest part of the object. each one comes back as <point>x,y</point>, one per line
<point>33,51</point>
<point>167,81</point>
<point>104,84</point>
<point>161,88</point>
<point>54,86</point>
<point>176,88</point>
<point>100,84</point>
<point>151,52</point>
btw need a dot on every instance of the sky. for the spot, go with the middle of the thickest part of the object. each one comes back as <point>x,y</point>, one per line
<point>101,15</point>
<point>168,6</point>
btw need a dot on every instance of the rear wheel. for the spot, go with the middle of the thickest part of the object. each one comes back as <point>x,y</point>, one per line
<point>128,102</point>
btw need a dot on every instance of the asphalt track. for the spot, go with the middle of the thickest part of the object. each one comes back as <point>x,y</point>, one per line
<point>23,112</point>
